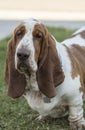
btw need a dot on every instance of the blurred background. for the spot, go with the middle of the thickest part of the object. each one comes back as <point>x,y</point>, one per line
<point>65,13</point>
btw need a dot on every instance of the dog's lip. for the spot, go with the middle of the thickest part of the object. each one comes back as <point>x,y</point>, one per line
<point>24,68</point>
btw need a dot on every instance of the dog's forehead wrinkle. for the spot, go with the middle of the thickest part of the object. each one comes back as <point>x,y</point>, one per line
<point>30,24</point>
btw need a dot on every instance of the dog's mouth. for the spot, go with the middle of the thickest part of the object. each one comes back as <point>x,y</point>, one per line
<point>24,68</point>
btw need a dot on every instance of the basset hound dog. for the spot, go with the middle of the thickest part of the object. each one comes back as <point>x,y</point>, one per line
<point>48,74</point>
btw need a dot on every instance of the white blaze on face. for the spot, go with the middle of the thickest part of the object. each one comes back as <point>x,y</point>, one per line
<point>27,43</point>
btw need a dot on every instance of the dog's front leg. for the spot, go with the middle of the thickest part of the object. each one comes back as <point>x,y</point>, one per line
<point>77,121</point>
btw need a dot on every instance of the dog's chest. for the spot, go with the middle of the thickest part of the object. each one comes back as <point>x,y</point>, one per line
<point>40,103</point>
<point>36,100</point>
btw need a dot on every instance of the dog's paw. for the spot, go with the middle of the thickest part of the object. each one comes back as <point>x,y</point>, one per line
<point>41,118</point>
<point>78,126</point>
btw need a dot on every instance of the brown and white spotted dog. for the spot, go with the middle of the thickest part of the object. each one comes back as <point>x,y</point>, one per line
<point>48,74</point>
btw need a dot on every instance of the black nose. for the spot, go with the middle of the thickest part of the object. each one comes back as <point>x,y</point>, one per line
<point>22,55</point>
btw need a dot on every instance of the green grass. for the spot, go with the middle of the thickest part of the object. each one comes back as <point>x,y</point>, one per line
<point>16,114</point>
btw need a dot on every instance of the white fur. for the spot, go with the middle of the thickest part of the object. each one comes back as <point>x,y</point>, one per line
<point>68,93</point>
<point>74,40</point>
<point>27,42</point>
<point>77,39</point>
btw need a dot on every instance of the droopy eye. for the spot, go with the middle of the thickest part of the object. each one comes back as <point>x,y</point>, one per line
<point>19,34</point>
<point>38,36</point>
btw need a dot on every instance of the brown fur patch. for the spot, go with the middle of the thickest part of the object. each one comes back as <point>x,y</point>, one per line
<point>50,73</point>
<point>77,56</point>
<point>15,80</point>
<point>19,33</point>
<point>37,40</point>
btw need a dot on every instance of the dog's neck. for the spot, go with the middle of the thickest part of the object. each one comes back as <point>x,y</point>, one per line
<point>31,82</point>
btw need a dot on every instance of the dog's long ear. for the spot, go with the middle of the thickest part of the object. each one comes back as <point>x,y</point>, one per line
<point>15,80</point>
<point>50,73</point>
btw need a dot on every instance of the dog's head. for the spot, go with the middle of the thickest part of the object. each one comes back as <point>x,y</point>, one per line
<point>32,49</point>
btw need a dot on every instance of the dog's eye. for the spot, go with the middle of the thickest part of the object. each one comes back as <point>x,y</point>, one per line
<point>38,37</point>
<point>19,34</point>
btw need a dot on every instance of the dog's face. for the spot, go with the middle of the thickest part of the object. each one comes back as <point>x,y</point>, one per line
<point>32,49</point>
<point>29,38</point>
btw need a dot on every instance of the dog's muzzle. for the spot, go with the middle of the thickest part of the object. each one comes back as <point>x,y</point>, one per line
<point>23,60</point>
